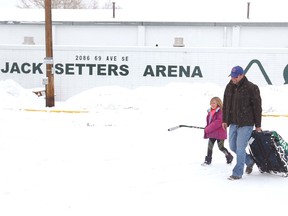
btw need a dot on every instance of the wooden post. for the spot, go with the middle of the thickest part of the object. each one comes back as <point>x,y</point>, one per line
<point>50,100</point>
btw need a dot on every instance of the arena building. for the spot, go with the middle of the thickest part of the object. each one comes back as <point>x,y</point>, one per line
<point>106,47</point>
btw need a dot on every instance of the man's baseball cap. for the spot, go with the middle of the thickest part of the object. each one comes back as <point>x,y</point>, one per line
<point>236,71</point>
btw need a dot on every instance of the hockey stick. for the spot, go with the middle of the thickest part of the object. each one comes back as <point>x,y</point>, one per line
<point>188,126</point>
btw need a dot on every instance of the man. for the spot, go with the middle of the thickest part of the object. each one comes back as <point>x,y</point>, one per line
<point>242,111</point>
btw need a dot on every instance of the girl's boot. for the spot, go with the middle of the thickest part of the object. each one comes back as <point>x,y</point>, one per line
<point>229,158</point>
<point>207,161</point>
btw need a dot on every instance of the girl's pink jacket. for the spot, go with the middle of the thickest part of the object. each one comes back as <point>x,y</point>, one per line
<point>214,128</point>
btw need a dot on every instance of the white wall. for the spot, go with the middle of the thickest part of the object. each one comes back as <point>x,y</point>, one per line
<point>78,68</point>
<point>264,36</point>
<point>257,35</point>
<point>211,50</point>
<point>96,35</point>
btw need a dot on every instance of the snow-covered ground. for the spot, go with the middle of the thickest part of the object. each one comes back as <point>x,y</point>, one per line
<point>110,154</point>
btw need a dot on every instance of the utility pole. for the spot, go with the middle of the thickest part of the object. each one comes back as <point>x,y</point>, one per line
<point>49,85</point>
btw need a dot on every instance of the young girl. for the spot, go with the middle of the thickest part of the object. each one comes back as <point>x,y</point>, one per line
<point>214,131</point>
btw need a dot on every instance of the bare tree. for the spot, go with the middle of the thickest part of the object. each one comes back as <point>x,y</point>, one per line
<point>59,4</point>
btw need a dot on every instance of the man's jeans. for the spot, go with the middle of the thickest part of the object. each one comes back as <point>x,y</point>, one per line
<point>238,141</point>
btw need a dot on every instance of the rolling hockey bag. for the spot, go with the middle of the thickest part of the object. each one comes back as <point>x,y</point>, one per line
<point>269,151</point>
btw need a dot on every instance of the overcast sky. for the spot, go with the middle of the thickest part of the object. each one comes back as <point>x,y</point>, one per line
<point>7,4</point>
<point>164,4</point>
<point>125,4</point>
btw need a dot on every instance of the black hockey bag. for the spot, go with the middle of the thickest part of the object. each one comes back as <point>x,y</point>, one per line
<point>269,151</point>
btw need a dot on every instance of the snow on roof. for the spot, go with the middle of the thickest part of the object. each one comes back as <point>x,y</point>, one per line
<point>236,13</point>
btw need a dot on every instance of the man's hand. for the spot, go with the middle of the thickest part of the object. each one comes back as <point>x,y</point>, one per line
<point>258,129</point>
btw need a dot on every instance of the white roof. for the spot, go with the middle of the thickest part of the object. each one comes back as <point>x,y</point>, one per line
<point>234,14</point>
